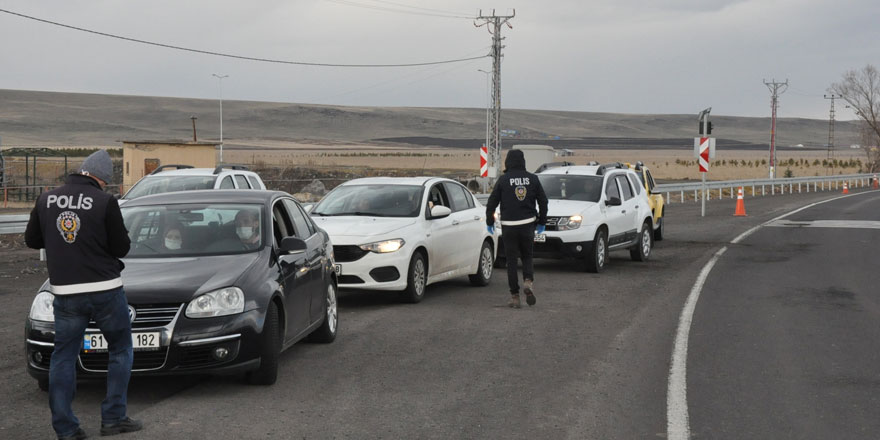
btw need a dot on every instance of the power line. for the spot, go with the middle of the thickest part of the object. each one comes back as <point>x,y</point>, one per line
<point>430,13</point>
<point>239,57</point>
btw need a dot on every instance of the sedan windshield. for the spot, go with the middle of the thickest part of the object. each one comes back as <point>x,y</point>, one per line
<point>570,187</point>
<point>162,184</point>
<point>372,200</point>
<point>193,229</point>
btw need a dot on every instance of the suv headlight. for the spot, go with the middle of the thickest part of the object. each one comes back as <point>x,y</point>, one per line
<point>569,223</point>
<point>42,309</point>
<point>384,247</point>
<point>228,301</point>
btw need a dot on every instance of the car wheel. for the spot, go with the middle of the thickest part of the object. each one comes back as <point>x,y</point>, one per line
<point>642,249</point>
<point>326,333</point>
<point>416,279</point>
<point>270,350</point>
<point>484,268</point>
<point>598,255</point>
<point>658,233</point>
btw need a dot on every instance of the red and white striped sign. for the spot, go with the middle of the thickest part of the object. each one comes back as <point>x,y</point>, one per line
<point>704,155</point>
<point>484,162</point>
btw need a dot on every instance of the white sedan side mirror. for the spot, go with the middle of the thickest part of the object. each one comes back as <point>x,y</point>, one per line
<point>440,212</point>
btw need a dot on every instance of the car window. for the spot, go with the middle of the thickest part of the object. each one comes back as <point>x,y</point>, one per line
<point>611,189</point>
<point>201,229</point>
<point>650,180</point>
<point>571,187</point>
<point>226,183</point>
<point>437,197</point>
<point>459,196</point>
<point>300,223</point>
<point>625,188</point>
<point>372,200</point>
<point>283,223</point>
<point>159,184</point>
<point>242,182</point>
<point>636,183</point>
<point>255,184</point>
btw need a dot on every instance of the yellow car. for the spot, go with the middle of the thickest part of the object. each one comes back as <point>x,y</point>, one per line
<point>658,205</point>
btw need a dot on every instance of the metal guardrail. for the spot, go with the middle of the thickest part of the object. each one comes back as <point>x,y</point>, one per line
<point>762,186</point>
<point>13,224</point>
<point>719,188</point>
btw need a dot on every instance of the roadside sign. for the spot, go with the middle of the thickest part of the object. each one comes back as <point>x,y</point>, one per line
<point>484,161</point>
<point>704,149</point>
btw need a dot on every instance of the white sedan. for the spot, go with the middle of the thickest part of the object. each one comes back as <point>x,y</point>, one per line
<point>404,233</point>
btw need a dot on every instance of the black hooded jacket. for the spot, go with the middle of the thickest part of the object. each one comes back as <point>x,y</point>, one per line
<point>518,191</point>
<point>81,228</point>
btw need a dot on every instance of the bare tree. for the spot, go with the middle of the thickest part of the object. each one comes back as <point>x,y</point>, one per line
<point>861,90</point>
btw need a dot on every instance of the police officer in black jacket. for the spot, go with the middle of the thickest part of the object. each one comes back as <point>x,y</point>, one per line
<point>518,191</point>
<point>81,228</point>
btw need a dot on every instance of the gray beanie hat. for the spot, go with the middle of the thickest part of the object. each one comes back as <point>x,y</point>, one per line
<point>98,164</point>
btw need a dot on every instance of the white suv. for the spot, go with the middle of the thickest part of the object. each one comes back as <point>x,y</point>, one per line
<point>593,210</point>
<point>186,178</point>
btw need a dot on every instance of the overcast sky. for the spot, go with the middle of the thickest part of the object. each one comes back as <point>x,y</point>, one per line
<point>626,56</point>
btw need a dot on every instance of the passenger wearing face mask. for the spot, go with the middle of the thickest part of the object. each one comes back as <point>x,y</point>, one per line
<point>173,238</point>
<point>247,228</point>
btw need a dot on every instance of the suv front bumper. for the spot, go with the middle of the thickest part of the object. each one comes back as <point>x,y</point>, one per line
<point>554,247</point>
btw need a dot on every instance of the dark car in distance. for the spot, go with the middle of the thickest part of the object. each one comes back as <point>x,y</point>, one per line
<point>217,281</point>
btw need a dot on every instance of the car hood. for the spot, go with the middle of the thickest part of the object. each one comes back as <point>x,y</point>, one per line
<point>562,208</point>
<point>172,280</point>
<point>347,226</point>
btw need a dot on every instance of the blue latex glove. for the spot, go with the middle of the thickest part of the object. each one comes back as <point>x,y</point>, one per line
<point>491,229</point>
<point>540,229</point>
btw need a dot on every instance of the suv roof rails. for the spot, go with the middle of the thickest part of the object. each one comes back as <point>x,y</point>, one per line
<point>163,167</point>
<point>610,166</point>
<point>549,165</point>
<point>231,167</point>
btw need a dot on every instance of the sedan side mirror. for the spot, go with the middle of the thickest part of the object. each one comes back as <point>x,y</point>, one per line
<point>440,211</point>
<point>293,245</point>
<point>613,201</point>
<point>307,207</point>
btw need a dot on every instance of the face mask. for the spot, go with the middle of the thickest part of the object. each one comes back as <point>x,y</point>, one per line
<point>245,232</point>
<point>172,244</point>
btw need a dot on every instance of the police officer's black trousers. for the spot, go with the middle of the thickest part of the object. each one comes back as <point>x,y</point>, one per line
<point>519,241</point>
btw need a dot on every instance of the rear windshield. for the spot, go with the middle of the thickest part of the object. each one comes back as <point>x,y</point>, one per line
<point>569,187</point>
<point>163,184</point>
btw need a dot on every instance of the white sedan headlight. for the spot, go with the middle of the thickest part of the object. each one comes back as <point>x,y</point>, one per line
<point>42,309</point>
<point>384,247</point>
<point>568,223</point>
<point>228,301</point>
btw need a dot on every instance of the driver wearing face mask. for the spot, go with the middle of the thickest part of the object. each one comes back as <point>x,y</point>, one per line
<point>247,228</point>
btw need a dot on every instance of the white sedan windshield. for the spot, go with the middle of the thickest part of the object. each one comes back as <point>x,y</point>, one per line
<point>372,200</point>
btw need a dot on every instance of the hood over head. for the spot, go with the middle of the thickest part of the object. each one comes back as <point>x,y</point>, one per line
<point>515,161</point>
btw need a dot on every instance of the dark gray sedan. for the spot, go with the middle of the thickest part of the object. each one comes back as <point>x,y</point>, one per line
<point>217,282</point>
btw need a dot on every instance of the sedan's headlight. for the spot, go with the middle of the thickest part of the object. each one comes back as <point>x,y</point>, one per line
<point>228,301</point>
<point>568,223</point>
<point>384,247</point>
<point>42,309</point>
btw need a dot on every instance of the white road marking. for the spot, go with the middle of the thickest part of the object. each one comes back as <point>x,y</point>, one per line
<point>677,418</point>
<point>854,224</point>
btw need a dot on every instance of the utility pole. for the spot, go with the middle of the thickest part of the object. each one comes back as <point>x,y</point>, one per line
<point>776,89</point>
<point>195,139</point>
<point>831,125</point>
<point>493,23</point>
<point>220,77</point>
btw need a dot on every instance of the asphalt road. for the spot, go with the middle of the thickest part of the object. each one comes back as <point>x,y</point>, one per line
<point>590,360</point>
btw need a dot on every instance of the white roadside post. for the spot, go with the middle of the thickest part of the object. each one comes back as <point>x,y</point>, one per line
<point>704,149</point>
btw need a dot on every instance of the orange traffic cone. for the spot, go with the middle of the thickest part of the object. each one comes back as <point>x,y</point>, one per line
<point>740,205</point>
<point>845,188</point>
<point>876,182</point>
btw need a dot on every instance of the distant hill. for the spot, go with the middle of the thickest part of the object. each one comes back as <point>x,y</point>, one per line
<point>49,118</point>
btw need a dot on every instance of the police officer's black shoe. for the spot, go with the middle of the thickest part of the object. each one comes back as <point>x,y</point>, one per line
<point>125,425</point>
<point>78,435</point>
<point>530,295</point>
